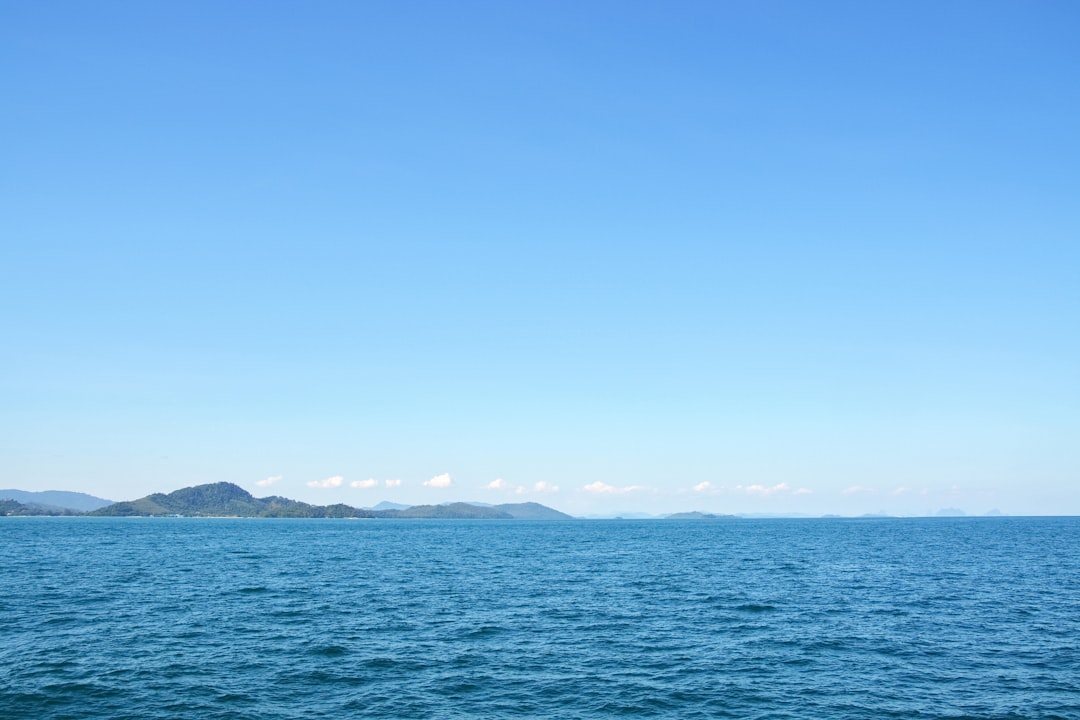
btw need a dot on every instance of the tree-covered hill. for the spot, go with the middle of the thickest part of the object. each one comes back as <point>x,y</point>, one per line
<point>14,508</point>
<point>224,500</point>
<point>228,500</point>
<point>532,511</point>
<point>458,510</point>
<point>56,499</point>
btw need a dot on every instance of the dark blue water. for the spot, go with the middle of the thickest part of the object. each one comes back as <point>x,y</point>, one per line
<point>187,618</point>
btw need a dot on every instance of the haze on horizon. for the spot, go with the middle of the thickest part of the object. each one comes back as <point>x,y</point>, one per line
<point>730,257</point>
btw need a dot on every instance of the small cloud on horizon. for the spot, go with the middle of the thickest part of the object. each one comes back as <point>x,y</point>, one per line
<point>330,482</point>
<point>763,490</point>
<point>855,489</point>
<point>440,481</point>
<point>393,483</point>
<point>538,487</point>
<point>269,481</point>
<point>362,484</point>
<point>755,489</point>
<point>602,488</point>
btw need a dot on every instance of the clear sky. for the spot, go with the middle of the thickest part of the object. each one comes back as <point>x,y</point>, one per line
<point>610,256</point>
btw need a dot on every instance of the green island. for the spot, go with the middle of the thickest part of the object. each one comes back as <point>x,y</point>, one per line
<point>224,499</point>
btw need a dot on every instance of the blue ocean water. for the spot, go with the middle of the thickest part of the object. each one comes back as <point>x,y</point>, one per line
<point>230,618</point>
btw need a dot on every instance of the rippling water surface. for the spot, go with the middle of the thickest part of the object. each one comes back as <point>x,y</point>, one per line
<point>224,618</point>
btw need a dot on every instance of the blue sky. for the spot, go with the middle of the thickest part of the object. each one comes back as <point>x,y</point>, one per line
<point>738,257</point>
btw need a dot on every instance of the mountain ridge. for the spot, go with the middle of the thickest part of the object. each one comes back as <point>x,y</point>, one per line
<point>224,499</point>
<point>55,499</point>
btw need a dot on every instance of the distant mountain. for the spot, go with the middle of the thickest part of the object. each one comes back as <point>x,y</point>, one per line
<point>695,515</point>
<point>228,500</point>
<point>508,511</point>
<point>458,510</point>
<point>12,508</point>
<point>532,511</point>
<point>225,500</point>
<point>56,499</point>
<point>387,505</point>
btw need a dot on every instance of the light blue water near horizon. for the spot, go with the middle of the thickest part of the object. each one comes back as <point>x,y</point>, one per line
<point>825,618</point>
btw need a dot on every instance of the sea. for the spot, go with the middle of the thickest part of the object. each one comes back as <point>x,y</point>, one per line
<point>148,618</point>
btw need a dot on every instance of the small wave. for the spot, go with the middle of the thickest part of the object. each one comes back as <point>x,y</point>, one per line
<point>756,607</point>
<point>231,697</point>
<point>285,613</point>
<point>485,631</point>
<point>328,651</point>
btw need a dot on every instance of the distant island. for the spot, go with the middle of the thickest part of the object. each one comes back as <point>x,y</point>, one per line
<point>14,508</point>
<point>695,515</point>
<point>48,502</point>
<point>225,499</point>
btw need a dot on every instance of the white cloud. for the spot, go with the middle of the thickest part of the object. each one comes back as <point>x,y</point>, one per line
<point>855,489</point>
<point>538,487</point>
<point>778,489</point>
<point>269,481</point>
<point>703,487</point>
<point>440,481</point>
<point>330,482</point>
<point>369,483</point>
<point>602,488</point>
<point>393,483</point>
<point>901,491</point>
<point>762,490</point>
